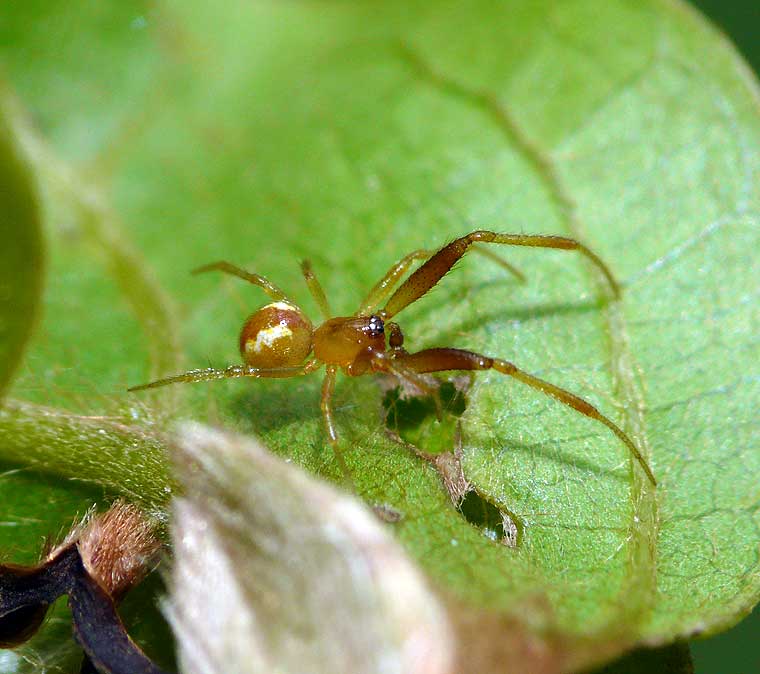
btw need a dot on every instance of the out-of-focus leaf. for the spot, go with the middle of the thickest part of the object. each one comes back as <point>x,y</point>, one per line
<point>21,257</point>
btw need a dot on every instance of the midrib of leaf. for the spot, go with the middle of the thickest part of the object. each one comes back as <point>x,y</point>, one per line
<point>639,592</point>
<point>150,303</point>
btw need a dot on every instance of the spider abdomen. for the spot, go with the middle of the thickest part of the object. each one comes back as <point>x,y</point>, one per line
<point>277,335</point>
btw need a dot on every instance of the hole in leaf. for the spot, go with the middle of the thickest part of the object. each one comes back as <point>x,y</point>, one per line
<point>498,525</point>
<point>411,418</point>
<point>406,412</point>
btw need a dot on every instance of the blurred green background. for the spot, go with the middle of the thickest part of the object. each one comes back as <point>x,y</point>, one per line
<point>735,651</point>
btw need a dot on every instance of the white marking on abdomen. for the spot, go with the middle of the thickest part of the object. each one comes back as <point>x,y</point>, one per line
<point>267,337</point>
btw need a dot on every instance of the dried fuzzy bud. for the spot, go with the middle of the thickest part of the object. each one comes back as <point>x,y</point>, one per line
<point>26,593</point>
<point>99,560</point>
<point>52,549</point>
<point>21,625</point>
<point>118,548</point>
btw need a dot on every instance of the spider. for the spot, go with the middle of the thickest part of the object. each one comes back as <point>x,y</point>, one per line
<point>277,340</point>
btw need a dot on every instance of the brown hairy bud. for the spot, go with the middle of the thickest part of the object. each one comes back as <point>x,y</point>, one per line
<point>118,548</point>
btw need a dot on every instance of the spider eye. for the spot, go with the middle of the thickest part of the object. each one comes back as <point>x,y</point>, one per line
<point>376,326</point>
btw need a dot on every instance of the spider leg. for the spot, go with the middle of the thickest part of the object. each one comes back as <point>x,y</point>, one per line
<point>328,387</point>
<point>436,360</point>
<point>315,288</point>
<point>383,287</point>
<point>232,372</point>
<point>426,276</point>
<point>265,284</point>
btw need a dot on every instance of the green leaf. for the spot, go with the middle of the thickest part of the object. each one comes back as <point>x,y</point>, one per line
<point>354,133</point>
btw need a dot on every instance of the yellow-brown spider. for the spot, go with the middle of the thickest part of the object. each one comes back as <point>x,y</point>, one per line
<point>277,340</point>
